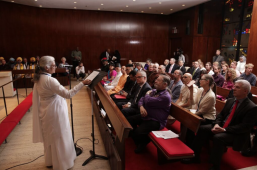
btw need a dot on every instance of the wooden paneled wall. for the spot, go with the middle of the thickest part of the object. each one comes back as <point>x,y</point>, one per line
<point>30,31</point>
<point>252,44</point>
<point>198,46</point>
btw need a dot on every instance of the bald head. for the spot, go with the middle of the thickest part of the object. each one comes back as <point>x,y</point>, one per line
<point>187,77</point>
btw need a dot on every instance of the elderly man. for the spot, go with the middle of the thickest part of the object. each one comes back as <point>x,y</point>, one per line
<point>196,72</point>
<point>154,75</point>
<point>161,69</point>
<point>181,66</point>
<point>166,63</point>
<point>248,75</point>
<point>175,86</point>
<point>116,79</point>
<point>218,78</point>
<point>231,128</point>
<point>184,97</point>
<point>130,108</point>
<point>154,110</point>
<point>172,66</point>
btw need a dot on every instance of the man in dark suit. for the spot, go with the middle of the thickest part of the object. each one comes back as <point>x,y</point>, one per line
<point>217,57</point>
<point>196,72</point>
<point>231,128</point>
<point>191,69</point>
<point>181,66</point>
<point>131,108</point>
<point>172,66</point>
<point>106,54</point>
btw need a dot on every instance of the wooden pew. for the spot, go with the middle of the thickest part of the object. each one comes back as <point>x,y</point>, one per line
<point>254,92</point>
<point>221,91</point>
<point>167,148</point>
<point>219,106</point>
<point>114,144</point>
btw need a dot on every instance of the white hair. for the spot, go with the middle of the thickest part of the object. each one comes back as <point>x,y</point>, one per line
<point>143,73</point>
<point>156,64</point>
<point>245,84</point>
<point>46,61</point>
<point>63,58</point>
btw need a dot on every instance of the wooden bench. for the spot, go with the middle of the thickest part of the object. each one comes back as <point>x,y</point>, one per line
<point>113,136</point>
<point>219,106</point>
<point>254,92</point>
<point>169,149</point>
<point>9,123</point>
<point>222,92</point>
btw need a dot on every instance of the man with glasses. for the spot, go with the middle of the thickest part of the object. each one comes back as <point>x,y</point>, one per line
<point>131,108</point>
<point>175,85</point>
<point>161,69</point>
<point>154,75</point>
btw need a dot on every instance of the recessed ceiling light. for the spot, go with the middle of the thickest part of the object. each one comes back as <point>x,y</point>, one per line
<point>161,13</point>
<point>98,8</point>
<point>134,0</point>
<point>75,7</point>
<point>121,10</point>
<point>150,7</point>
<point>160,2</point>
<point>102,4</point>
<point>126,5</point>
<point>12,1</point>
<point>75,2</point>
<point>40,6</point>
<point>171,9</point>
<point>183,5</point>
<point>35,0</point>
<point>142,11</point>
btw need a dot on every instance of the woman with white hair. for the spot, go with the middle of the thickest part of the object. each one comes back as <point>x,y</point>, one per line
<point>50,116</point>
<point>61,65</point>
<point>241,64</point>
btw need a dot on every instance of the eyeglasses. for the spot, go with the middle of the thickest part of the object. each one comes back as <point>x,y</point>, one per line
<point>53,66</point>
<point>184,77</point>
<point>176,73</point>
<point>138,77</point>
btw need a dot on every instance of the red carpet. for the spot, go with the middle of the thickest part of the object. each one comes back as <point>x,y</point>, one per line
<point>148,160</point>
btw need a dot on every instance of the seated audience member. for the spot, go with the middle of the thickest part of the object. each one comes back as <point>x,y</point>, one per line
<point>175,85</point>
<point>37,60</point>
<point>215,64</point>
<point>154,75</point>
<point>201,65</point>
<point>208,67</point>
<point>5,66</point>
<point>231,95</point>
<point>110,75</point>
<point>172,66</point>
<point>150,70</point>
<point>80,71</point>
<point>26,67</point>
<point>115,81</point>
<point>230,76</point>
<point>121,83</point>
<point>61,65</point>
<point>148,62</point>
<point>181,66</point>
<point>154,110</point>
<point>106,55</point>
<point>166,62</point>
<point>224,69</point>
<point>197,81</point>
<point>241,64</point>
<point>204,103</point>
<point>248,75</point>
<point>231,128</point>
<point>223,62</point>
<point>161,69</point>
<point>18,66</point>
<point>233,65</point>
<point>130,62</point>
<point>105,66</point>
<point>184,96</point>
<point>1,58</point>
<point>11,63</point>
<point>139,67</point>
<point>32,65</point>
<point>131,108</point>
<point>128,90</point>
<point>196,72</point>
<point>218,78</point>
<point>191,69</point>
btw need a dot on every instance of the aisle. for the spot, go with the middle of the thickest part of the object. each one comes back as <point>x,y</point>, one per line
<point>20,148</point>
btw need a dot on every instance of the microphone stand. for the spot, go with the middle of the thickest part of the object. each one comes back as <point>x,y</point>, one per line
<point>78,150</point>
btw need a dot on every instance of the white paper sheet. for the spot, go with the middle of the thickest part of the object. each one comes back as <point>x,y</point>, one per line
<point>92,75</point>
<point>165,134</point>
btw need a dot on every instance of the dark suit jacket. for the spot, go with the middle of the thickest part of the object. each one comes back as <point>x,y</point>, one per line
<point>175,67</point>
<point>191,70</point>
<point>197,74</point>
<point>128,85</point>
<point>183,69</point>
<point>242,122</point>
<point>146,87</point>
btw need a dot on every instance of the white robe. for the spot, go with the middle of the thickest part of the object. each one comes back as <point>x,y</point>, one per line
<point>114,82</point>
<point>51,122</point>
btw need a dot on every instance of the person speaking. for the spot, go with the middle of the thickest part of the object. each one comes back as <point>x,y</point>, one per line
<point>50,116</point>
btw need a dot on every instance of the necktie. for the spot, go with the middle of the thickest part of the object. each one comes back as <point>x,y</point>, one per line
<point>194,72</point>
<point>171,66</point>
<point>138,94</point>
<point>231,115</point>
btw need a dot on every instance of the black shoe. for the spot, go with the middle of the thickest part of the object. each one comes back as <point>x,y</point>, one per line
<point>49,166</point>
<point>191,161</point>
<point>214,168</point>
<point>140,148</point>
<point>249,152</point>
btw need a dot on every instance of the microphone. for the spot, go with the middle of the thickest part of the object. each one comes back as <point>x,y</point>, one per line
<point>63,65</point>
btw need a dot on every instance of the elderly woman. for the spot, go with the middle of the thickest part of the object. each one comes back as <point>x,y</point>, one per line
<point>241,64</point>
<point>61,65</point>
<point>50,116</point>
